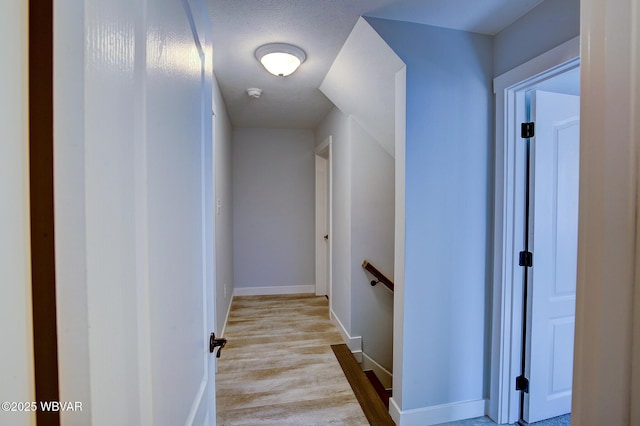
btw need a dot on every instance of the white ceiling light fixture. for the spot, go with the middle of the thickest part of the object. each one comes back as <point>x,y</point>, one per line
<point>280,59</point>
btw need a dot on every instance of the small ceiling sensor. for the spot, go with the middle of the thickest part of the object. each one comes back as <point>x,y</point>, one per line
<point>254,92</point>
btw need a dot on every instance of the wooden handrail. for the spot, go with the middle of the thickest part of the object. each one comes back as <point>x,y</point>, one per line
<point>379,275</point>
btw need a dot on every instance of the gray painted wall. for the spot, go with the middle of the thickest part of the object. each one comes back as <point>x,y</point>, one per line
<point>549,24</point>
<point>363,228</point>
<point>372,238</point>
<point>273,207</point>
<point>448,201</point>
<point>223,217</point>
<point>364,189</point>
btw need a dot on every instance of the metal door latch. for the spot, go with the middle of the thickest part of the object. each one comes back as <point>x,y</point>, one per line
<point>219,343</point>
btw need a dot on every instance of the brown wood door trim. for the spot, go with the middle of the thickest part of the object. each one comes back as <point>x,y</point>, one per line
<point>45,344</point>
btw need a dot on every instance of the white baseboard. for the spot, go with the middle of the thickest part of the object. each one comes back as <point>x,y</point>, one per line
<point>394,411</point>
<point>437,414</point>
<point>384,375</point>
<point>354,343</point>
<point>263,291</point>
<point>226,318</point>
<point>224,327</point>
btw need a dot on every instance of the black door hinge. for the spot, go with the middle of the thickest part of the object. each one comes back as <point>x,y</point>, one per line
<point>522,384</point>
<point>526,258</point>
<point>527,130</point>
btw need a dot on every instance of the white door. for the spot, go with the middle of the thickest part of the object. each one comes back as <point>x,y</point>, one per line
<point>321,226</point>
<point>553,236</point>
<point>180,218</point>
<point>134,211</point>
<point>323,218</point>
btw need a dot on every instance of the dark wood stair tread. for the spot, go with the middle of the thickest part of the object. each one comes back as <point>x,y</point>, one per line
<point>377,386</point>
<point>372,406</point>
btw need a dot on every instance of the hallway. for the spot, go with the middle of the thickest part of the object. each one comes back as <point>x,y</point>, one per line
<point>114,112</point>
<point>278,367</point>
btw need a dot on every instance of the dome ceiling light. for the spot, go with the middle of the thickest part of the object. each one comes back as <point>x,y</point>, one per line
<point>280,59</point>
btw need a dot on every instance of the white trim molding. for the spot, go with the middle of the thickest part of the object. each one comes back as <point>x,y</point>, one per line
<point>272,290</point>
<point>226,318</point>
<point>354,343</point>
<point>223,329</point>
<point>555,57</point>
<point>322,146</point>
<point>399,232</point>
<point>437,414</point>
<point>384,375</point>
<point>323,218</point>
<point>606,380</point>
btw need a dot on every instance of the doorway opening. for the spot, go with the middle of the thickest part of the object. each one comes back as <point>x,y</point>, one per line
<point>551,247</point>
<point>515,317</point>
<point>323,220</point>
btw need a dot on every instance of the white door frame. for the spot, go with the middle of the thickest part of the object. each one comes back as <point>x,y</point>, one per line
<point>210,253</point>
<point>321,228</point>
<point>506,344</point>
<point>323,261</point>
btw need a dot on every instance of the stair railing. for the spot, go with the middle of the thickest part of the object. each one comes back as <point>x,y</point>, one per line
<point>380,277</point>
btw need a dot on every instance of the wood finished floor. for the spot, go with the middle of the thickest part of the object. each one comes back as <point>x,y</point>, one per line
<point>373,407</point>
<point>278,367</point>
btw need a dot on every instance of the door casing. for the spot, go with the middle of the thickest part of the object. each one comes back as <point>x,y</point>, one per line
<point>506,344</point>
<point>324,197</point>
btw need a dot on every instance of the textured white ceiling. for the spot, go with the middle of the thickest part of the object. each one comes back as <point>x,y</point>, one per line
<point>320,28</point>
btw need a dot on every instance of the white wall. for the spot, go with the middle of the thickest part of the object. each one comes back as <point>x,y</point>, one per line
<point>16,368</point>
<point>273,209</point>
<point>446,332</point>
<point>224,214</point>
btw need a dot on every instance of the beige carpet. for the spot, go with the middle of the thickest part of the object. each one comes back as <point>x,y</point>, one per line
<point>278,367</point>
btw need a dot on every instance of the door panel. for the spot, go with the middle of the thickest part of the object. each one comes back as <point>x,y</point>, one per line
<point>179,217</point>
<point>553,233</point>
<point>132,228</point>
